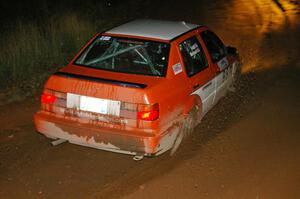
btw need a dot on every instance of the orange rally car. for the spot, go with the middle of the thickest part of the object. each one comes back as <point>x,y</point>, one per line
<point>138,88</point>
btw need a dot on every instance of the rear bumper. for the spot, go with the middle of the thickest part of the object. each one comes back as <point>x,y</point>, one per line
<point>109,139</point>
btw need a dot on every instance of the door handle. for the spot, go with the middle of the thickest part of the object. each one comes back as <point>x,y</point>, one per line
<point>196,86</point>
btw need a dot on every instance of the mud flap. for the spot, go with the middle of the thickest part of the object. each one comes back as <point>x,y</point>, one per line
<point>177,141</point>
<point>167,142</point>
<point>186,127</point>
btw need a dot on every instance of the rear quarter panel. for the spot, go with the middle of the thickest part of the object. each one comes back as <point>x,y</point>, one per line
<point>173,93</point>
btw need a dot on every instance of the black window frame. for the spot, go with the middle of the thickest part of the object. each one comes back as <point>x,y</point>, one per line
<point>186,65</point>
<point>216,41</point>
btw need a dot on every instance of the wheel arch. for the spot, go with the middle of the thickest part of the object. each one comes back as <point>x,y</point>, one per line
<point>194,101</point>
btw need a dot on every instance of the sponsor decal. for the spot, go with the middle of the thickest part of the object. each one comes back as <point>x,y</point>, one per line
<point>177,68</point>
<point>194,49</point>
<point>105,38</point>
<point>223,63</point>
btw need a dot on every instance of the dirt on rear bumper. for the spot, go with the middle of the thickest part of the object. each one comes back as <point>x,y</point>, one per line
<point>119,141</point>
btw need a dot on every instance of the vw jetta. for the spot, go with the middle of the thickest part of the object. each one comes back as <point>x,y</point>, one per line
<point>137,88</point>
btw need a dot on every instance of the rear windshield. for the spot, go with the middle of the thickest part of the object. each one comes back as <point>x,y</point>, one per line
<point>126,56</point>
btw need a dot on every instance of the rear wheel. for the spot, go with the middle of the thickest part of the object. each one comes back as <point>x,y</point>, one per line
<point>186,127</point>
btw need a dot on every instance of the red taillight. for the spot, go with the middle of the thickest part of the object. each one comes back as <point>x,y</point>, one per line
<point>48,99</point>
<point>149,115</point>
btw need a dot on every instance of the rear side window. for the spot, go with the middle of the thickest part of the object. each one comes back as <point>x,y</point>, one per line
<point>193,56</point>
<point>215,46</point>
<point>126,55</point>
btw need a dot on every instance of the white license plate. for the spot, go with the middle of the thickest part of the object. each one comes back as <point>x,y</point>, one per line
<point>92,104</point>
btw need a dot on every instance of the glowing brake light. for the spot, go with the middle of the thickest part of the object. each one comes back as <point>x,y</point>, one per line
<point>48,99</point>
<point>149,115</point>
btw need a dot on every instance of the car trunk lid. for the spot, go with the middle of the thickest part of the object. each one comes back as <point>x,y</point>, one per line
<point>99,96</point>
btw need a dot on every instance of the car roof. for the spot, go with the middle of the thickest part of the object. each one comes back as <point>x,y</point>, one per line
<point>155,29</point>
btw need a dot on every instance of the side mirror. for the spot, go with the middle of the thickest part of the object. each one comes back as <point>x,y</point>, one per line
<point>232,50</point>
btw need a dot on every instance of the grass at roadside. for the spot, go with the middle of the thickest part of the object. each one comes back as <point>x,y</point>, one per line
<point>37,41</point>
<point>29,52</point>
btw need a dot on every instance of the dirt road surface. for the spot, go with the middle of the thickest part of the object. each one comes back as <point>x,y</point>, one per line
<point>248,146</point>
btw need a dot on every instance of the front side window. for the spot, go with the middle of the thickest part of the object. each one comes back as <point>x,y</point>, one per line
<point>126,55</point>
<point>215,46</point>
<point>193,56</point>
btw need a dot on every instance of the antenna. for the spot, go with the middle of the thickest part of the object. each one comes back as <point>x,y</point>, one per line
<point>183,23</point>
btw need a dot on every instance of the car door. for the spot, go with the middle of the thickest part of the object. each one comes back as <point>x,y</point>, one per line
<point>218,55</point>
<point>198,71</point>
